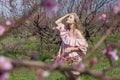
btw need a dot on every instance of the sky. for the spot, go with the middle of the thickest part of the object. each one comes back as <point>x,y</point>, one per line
<point>20,9</point>
<point>5,7</point>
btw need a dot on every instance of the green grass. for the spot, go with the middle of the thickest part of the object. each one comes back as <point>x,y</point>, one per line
<point>23,75</point>
<point>46,55</point>
<point>31,75</point>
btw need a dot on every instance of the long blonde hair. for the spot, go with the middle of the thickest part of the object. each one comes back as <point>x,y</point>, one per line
<point>78,24</point>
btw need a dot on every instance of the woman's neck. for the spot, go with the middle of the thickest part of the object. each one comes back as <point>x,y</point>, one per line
<point>72,28</point>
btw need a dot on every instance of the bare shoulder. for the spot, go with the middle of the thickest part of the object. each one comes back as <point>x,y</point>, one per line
<point>78,34</point>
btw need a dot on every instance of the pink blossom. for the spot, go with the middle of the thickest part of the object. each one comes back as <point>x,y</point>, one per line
<point>5,66</point>
<point>102,17</point>
<point>119,3</point>
<point>4,76</point>
<point>50,4</point>
<point>2,30</point>
<point>9,23</point>
<point>113,55</point>
<point>51,7</point>
<point>111,52</point>
<point>45,74</point>
<point>117,8</point>
<point>42,74</point>
<point>81,65</point>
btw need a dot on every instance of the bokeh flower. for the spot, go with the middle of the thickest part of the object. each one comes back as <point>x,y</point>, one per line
<point>5,66</point>
<point>9,23</point>
<point>81,65</point>
<point>42,74</point>
<point>2,30</point>
<point>111,52</point>
<point>117,8</point>
<point>4,76</point>
<point>51,7</point>
<point>102,17</point>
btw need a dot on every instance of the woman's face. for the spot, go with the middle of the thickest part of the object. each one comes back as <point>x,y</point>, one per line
<point>70,19</point>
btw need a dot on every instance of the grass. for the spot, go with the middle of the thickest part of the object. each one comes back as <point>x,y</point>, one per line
<point>23,75</point>
<point>46,54</point>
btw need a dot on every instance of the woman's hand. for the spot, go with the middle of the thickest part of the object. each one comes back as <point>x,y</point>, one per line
<point>58,55</point>
<point>68,50</point>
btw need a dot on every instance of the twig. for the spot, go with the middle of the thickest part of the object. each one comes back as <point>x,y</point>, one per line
<point>101,40</point>
<point>21,20</point>
<point>68,69</point>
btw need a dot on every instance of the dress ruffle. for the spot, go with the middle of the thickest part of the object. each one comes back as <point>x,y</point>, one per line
<point>80,43</point>
<point>68,40</point>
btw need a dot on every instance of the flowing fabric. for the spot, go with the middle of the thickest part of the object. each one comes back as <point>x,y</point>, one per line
<point>68,41</point>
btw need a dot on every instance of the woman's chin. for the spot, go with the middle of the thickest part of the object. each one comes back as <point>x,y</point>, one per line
<point>68,23</point>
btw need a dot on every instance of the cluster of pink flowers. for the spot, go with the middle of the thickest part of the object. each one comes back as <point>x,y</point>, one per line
<point>111,52</point>
<point>2,30</point>
<point>51,7</point>
<point>117,8</point>
<point>9,23</point>
<point>102,17</point>
<point>5,66</point>
<point>42,74</point>
<point>81,65</point>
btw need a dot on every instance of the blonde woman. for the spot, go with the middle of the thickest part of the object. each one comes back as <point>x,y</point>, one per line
<point>73,44</point>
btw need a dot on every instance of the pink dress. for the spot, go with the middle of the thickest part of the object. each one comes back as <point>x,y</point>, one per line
<point>68,41</point>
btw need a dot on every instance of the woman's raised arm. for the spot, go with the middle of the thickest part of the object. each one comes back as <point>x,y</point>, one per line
<point>61,19</point>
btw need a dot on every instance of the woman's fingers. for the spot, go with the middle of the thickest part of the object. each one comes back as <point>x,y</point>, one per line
<point>67,50</point>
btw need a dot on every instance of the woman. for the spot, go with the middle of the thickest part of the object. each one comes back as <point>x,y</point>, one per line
<point>74,45</point>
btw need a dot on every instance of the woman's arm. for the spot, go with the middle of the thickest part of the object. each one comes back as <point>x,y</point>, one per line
<point>61,19</point>
<point>70,49</point>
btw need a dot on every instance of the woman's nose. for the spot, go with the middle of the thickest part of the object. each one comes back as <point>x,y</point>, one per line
<point>68,18</point>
